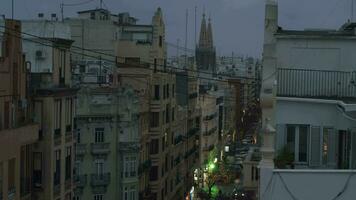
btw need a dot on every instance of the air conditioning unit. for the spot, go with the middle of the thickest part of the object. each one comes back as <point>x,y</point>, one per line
<point>40,55</point>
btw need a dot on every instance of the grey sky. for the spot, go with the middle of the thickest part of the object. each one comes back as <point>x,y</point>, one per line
<point>237,24</point>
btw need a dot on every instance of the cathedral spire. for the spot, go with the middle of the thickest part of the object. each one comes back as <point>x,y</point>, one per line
<point>203,34</point>
<point>209,35</point>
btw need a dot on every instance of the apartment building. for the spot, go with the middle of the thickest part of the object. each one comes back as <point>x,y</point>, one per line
<point>108,148</point>
<point>46,47</point>
<point>209,127</point>
<point>307,98</point>
<point>187,97</point>
<point>18,132</point>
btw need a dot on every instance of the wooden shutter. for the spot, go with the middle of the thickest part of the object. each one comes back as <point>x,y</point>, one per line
<point>315,147</point>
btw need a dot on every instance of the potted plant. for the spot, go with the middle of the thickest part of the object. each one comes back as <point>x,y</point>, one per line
<point>284,159</point>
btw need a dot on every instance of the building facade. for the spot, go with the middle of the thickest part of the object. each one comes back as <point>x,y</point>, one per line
<point>46,49</point>
<point>307,101</point>
<point>18,132</point>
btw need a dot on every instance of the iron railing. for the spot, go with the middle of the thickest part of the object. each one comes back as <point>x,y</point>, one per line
<point>306,83</point>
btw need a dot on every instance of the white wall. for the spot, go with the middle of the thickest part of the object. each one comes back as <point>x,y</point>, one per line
<point>310,185</point>
<point>318,53</point>
<point>318,114</point>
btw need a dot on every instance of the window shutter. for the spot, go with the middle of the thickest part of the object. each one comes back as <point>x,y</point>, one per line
<point>353,148</point>
<point>315,147</point>
<point>332,141</point>
<point>280,136</point>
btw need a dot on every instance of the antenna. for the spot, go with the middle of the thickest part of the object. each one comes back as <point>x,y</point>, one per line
<point>195,27</point>
<point>178,52</point>
<point>12,9</point>
<point>62,11</point>
<point>186,37</point>
<point>352,10</point>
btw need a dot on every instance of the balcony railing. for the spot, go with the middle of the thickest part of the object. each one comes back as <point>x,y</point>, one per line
<point>178,139</point>
<point>100,179</point>
<point>193,131</point>
<point>211,131</point>
<point>316,84</point>
<point>80,149</point>
<point>80,180</point>
<point>100,148</point>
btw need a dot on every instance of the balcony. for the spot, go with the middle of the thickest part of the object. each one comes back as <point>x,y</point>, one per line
<point>11,193</point>
<point>210,117</point>
<point>319,84</point>
<point>211,131</point>
<point>100,148</point>
<point>192,132</point>
<point>321,184</point>
<point>80,149</point>
<point>100,179</point>
<point>208,148</point>
<point>80,181</point>
<point>69,133</point>
<point>178,139</point>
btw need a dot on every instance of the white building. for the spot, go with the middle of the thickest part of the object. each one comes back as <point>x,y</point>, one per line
<point>309,108</point>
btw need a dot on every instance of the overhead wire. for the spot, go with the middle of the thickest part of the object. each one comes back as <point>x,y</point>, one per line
<point>116,57</point>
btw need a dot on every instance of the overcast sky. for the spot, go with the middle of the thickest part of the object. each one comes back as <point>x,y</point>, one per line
<point>237,24</point>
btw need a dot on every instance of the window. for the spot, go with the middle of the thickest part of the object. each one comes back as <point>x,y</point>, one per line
<point>37,169</point>
<point>291,138</point>
<point>303,143</point>
<point>130,166</point>
<point>98,197</point>
<point>160,41</point>
<point>57,113</point>
<point>171,185</point>
<point>99,167</point>
<point>297,141</point>
<point>11,174</point>
<point>132,193</point>
<point>173,90</point>
<point>126,193</point>
<point>154,146</point>
<point>163,144</point>
<point>164,92</point>
<point>156,95</point>
<point>81,68</point>
<point>167,90</point>
<point>167,113</point>
<point>173,114</point>
<point>154,173</point>
<point>92,16</point>
<point>57,167</point>
<point>99,135</point>
<point>76,198</point>
<point>68,111</point>
<point>154,119</point>
<point>78,136</point>
<point>68,163</point>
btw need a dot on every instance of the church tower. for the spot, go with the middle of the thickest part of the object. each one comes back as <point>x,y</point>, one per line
<point>205,50</point>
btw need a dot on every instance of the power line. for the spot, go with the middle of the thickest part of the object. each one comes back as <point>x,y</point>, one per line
<point>77,4</point>
<point>113,56</point>
<point>132,65</point>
